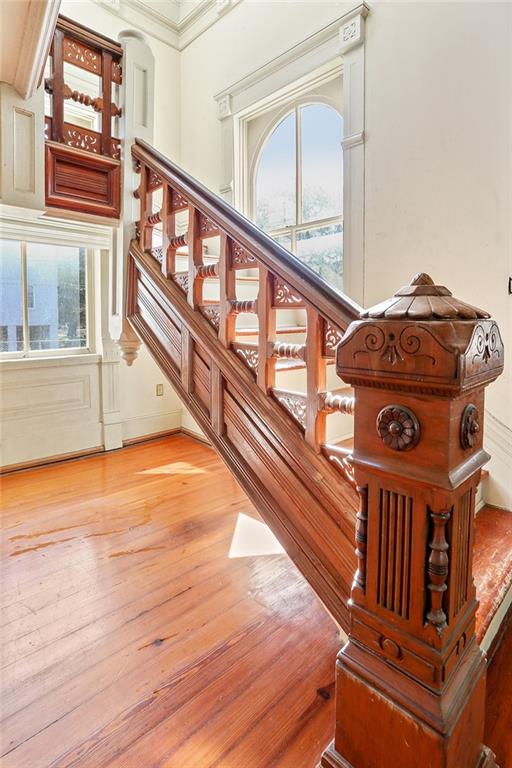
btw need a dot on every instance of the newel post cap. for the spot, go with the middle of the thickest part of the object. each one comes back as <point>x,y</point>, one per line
<point>422,339</point>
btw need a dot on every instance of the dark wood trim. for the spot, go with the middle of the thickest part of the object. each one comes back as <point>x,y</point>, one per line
<point>89,36</point>
<point>82,181</point>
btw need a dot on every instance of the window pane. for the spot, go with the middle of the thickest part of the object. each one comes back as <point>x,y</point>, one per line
<point>321,248</point>
<point>57,314</point>
<point>11,309</point>
<point>322,162</point>
<point>284,240</point>
<point>275,178</point>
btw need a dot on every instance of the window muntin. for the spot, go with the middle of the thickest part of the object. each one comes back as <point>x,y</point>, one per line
<point>43,292</point>
<point>298,187</point>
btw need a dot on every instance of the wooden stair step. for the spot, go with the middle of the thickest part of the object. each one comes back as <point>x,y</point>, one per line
<point>492,570</point>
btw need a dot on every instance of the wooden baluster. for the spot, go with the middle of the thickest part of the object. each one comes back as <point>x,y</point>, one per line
<point>266,373</point>
<point>168,232</point>
<point>227,288</point>
<point>412,664</point>
<point>57,87</point>
<point>106,95</point>
<point>145,200</point>
<point>217,398</point>
<point>195,258</point>
<point>315,378</point>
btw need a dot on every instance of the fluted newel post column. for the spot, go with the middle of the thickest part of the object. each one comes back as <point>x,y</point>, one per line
<point>410,682</point>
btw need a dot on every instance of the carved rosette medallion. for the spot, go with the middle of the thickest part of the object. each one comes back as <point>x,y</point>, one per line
<point>469,426</point>
<point>398,427</point>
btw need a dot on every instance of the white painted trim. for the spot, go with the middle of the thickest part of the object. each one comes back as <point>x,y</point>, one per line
<point>178,33</point>
<point>150,423</point>
<point>339,46</point>
<point>497,488</point>
<point>58,361</point>
<point>499,434</point>
<point>33,226</point>
<point>41,17</point>
<point>322,46</point>
<point>497,621</point>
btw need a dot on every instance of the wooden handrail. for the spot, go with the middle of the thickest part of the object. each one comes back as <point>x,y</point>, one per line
<point>329,302</point>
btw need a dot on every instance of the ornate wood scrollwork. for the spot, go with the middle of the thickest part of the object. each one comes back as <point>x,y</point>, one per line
<point>248,354</point>
<point>398,427</point>
<point>241,257</point>
<point>81,55</point>
<point>181,279</point>
<point>207,227</point>
<point>332,338</point>
<point>438,569</point>
<point>212,314</point>
<point>469,426</point>
<point>294,402</point>
<point>285,296</point>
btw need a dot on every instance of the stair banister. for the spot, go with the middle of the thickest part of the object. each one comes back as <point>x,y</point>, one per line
<point>410,682</point>
<point>394,519</point>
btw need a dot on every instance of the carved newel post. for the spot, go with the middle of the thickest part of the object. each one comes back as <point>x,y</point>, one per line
<point>410,682</point>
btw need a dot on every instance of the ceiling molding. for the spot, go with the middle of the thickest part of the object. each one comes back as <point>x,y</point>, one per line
<point>174,31</point>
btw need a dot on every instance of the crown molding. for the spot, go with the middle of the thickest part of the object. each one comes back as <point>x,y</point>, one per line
<point>176,32</point>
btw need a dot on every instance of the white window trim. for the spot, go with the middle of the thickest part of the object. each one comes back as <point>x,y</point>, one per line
<point>340,45</point>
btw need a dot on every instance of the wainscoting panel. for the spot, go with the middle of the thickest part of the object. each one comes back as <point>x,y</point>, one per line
<point>50,409</point>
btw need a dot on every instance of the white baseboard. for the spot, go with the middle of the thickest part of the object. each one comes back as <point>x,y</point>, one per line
<point>497,488</point>
<point>150,424</point>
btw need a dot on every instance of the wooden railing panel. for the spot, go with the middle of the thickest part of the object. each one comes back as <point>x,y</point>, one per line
<point>75,177</point>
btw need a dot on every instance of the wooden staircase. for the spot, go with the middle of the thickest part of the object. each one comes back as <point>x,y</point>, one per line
<point>384,533</point>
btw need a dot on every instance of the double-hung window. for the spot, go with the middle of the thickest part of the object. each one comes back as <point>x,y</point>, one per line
<point>298,187</point>
<point>43,298</point>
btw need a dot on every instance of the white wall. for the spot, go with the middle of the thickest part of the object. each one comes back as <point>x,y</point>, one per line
<point>438,180</point>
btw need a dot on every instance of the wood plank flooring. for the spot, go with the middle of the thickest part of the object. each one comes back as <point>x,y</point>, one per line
<point>131,638</point>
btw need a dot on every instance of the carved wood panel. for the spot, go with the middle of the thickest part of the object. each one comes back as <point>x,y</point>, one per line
<point>395,552</point>
<point>84,182</point>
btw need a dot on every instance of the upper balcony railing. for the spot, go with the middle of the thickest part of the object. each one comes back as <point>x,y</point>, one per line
<point>82,163</point>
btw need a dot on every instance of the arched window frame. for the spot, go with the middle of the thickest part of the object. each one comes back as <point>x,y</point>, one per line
<point>299,226</point>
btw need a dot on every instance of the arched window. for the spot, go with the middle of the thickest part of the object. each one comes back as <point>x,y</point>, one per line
<point>298,192</point>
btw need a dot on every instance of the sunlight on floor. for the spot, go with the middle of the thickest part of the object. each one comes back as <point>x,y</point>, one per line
<point>176,468</point>
<point>252,538</point>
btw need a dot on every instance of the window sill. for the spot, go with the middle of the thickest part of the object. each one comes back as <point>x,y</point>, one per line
<point>21,363</point>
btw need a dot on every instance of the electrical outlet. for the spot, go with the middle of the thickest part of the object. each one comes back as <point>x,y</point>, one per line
<point>159,390</point>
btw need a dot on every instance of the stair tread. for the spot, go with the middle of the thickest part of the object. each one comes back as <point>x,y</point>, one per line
<point>492,564</point>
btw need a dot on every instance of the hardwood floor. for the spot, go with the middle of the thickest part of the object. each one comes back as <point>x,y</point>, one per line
<point>132,639</point>
<point>130,636</point>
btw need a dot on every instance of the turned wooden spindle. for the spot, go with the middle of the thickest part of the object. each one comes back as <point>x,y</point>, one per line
<point>266,365</point>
